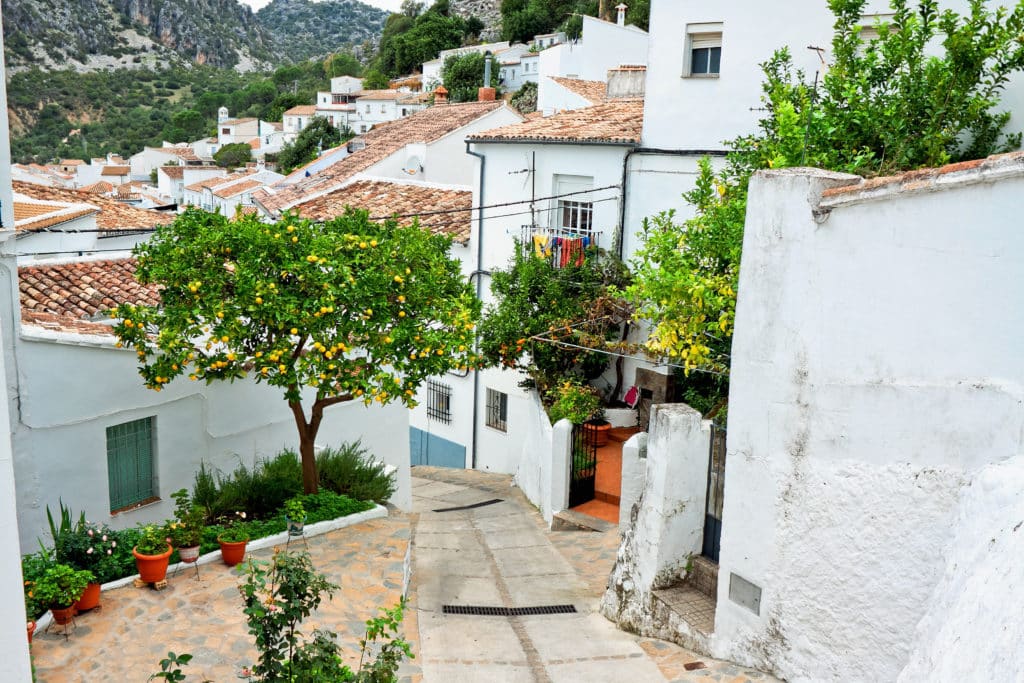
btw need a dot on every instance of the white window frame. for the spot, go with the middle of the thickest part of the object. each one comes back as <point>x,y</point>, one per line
<point>701,36</point>
<point>579,207</point>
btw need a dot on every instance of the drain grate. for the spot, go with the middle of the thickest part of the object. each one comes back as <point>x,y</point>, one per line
<point>477,611</point>
<point>470,507</point>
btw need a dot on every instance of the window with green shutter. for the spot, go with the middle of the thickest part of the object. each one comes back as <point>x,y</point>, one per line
<point>130,462</point>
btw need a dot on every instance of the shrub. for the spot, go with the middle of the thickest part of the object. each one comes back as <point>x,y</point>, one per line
<point>260,491</point>
<point>60,585</point>
<point>350,470</point>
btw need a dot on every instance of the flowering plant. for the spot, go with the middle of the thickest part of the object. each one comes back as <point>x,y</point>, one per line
<point>90,547</point>
<point>574,401</point>
<point>186,531</point>
<point>152,541</point>
<point>234,529</point>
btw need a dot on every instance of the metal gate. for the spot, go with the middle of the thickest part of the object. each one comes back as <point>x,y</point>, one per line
<point>584,465</point>
<point>716,490</point>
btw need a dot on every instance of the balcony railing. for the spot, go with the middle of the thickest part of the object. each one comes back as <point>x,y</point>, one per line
<point>563,246</point>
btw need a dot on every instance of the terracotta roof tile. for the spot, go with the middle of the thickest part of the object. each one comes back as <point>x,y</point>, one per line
<point>63,323</point>
<point>381,141</point>
<point>302,110</point>
<point>183,153</point>
<point>592,91</point>
<point>383,198</point>
<point>71,162</point>
<point>102,187</point>
<point>235,189</point>
<point>235,122</point>
<point>32,215</point>
<point>116,170</point>
<point>378,95</point>
<point>218,181</point>
<point>174,172</point>
<point>82,290</point>
<point>113,214</point>
<point>614,122</point>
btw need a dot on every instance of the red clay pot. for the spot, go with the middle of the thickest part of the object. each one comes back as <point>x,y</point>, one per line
<point>599,432</point>
<point>232,553</point>
<point>152,568</point>
<point>63,616</point>
<point>90,598</point>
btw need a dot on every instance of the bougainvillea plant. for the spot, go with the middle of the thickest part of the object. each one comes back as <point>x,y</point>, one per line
<point>350,309</point>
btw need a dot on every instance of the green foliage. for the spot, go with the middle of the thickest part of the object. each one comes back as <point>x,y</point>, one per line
<point>319,135</point>
<point>521,20</point>
<point>351,470</point>
<point>189,520</point>
<point>185,126</point>
<point>90,547</point>
<point>307,30</point>
<point>33,567</point>
<point>342,63</point>
<point>260,491</point>
<point>573,401</point>
<point>534,297</point>
<point>883,106</point>
<point>294,510</point>
<point>152,540</point>
<point>408,41</point>
<point>525,99</point>
<point>347,309</point>
<point>374,79</point>
<point>60,586</point>
<point>170,668</point>
<point>463,75</point>
<point>233,155</point>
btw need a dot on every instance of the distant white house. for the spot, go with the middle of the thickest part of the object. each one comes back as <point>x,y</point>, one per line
<point>432,69</point>
<point>296,119</point>
<point>171,180</point>
<point>230,193</point>
<point>142,163</point>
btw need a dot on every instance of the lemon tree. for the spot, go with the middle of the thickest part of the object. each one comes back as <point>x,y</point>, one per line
<point>329,312</point>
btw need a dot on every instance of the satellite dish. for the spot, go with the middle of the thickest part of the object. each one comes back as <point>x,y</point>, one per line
<point>413,165</point>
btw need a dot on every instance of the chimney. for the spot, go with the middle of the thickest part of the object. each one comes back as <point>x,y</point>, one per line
<point>222,115</point>
<point>486,93</point>
<point>621,7</point>
<point>627,80</point>
<point>441,95</point>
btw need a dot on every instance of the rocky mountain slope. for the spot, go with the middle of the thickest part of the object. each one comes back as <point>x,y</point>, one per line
<point>94,34</point>
<point>487,11</point>
<point>301,29</point>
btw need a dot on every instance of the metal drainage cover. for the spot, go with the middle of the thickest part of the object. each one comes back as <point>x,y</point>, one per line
<point>470,507</point>
<point>474,610</point>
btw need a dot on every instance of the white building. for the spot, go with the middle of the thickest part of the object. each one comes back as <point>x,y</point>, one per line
<point>517,65</point>
<point>297,118</point>
<point>230,193</point>
<point>171,180</point>
<point>142,163</point>
<point>432,69</point>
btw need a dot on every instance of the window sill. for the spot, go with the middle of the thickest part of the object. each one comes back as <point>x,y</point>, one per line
<point>699,76</point>
<point>153,500</point>
<point>497,429</point>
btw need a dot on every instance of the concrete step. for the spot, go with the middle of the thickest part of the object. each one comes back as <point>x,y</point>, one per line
<point>610,498</point>
<point>703,576</point>
<point>688,614</point>
<point>570,520</point>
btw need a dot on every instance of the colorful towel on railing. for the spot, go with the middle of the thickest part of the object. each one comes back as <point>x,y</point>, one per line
<point>541,246</point>
<point>572,252</point>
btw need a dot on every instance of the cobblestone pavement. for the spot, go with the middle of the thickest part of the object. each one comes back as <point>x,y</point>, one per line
<point>495,555</point>
<point>135,627</point>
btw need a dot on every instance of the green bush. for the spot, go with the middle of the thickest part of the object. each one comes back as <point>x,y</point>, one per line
<point>351,471</point>
<point>260,492</point>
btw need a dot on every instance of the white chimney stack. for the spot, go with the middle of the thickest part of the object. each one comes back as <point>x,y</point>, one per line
<point>621,7</point>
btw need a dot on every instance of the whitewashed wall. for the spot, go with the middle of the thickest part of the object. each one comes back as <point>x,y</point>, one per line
<point>700,113</point>
<point>71,392</point>
<point>603,46</point>
<point>876,369</point>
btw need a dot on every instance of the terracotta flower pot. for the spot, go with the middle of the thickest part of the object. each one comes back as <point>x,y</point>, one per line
<point>63,615</point>
<point>152,568</point>
<point>30,628</point>
<point>190,554</point>
<point>232,553</point>
<point>599,432</point>
<point>90,598</point>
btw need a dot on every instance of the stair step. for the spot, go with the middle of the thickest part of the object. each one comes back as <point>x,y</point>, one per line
<point>610,498</point>
<point>691,606</point>
<point>703,576</point>
<point>570,520</point>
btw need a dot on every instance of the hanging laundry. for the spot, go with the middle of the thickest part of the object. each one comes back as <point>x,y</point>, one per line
<point>541,246</point>
<point>632,396</point>
<point>572,252</point>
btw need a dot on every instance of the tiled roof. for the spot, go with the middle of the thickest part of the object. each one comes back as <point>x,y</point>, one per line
<point>64,323</point>
<point>235,189</point>
<point>378,94</point>
<point>384,198</point>
<point>415,97</point>
<point>302,110</point>
<point>113,214</point>
<point>116,170</point>
<point>592,91</point>
<point>183,153</point>
<point>613,122</point>
<point>32,214</point>
<point>174,172</point>
<point>71,162</point>
<point>82,290</point>
<point>235,122</point>
<point>381,141</point>
<point>102,187</point>
<point>217,181</point>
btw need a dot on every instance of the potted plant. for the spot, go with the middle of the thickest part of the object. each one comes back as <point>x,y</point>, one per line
<point>233,540</point>
<point>90,547</point>
<point>294,516</point>
<point>186,530</point>
<point>581,405</point>
<point>152,554</point>
<point>59,587</point>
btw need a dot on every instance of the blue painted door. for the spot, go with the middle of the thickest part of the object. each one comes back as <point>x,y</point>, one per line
<point>430,449</point>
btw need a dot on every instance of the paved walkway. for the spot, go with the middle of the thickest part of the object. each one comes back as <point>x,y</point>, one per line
<point>494,555</point>
<point>502,555</point>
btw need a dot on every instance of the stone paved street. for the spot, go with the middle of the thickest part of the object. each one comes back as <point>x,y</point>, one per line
<point>496,555</point>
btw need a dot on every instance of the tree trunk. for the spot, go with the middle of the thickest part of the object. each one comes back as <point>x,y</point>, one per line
<point>310,476</point>
<point>602,9</point>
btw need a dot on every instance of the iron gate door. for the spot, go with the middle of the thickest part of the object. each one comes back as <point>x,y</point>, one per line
<point>584,466</point>
<point>716,490</point>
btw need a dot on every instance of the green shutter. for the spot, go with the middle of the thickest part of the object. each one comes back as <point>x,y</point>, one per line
<point>130,462</point>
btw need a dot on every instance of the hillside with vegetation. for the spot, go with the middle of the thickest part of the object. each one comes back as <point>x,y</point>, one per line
<point>301,30</point>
